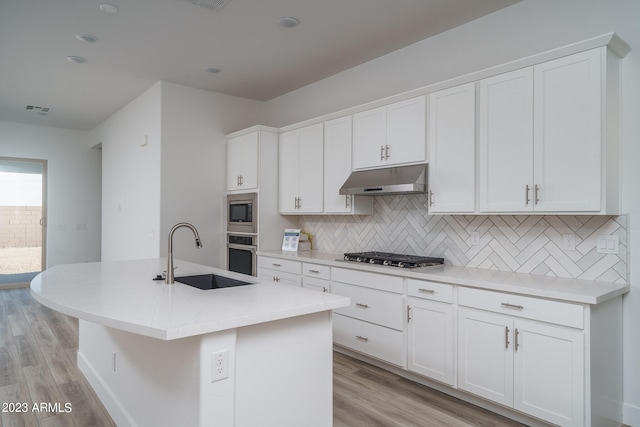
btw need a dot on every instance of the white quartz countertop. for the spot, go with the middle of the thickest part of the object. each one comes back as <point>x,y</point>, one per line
<point>571,290</point>
<point>122,295</point>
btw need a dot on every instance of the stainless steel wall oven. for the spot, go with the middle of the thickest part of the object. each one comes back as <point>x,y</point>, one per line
<point>241,253</point>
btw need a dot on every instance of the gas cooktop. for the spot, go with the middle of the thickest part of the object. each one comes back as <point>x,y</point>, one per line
<point>394,260</point>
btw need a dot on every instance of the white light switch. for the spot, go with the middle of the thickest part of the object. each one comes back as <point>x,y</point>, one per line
<point>608,245</point>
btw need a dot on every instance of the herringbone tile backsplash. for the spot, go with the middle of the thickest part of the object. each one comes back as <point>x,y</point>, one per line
<point>519,243</point>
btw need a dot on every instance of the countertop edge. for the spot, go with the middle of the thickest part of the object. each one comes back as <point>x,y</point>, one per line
<point>561,289</point>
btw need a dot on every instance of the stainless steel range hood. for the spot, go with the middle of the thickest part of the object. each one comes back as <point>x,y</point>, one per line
<point>393,180</point>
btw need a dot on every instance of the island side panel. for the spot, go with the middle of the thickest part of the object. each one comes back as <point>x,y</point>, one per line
<point>151,381</point>
<point>284,373</point>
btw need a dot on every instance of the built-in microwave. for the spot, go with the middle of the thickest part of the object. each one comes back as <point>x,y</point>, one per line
<point>242,213</point>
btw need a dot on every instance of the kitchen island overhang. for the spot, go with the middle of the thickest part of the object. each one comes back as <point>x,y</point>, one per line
<point>149,349</point>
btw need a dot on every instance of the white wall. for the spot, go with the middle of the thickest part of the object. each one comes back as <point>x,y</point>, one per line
<point>179,176</point>
<point>194,159</point>
<point>526,28</point>
<point>131,178</point>
<point>73,187</point>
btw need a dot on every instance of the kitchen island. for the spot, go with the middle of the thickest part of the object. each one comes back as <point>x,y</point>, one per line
<point>165,355</point>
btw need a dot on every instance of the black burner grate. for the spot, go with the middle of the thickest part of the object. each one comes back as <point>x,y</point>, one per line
<point>391,259</point>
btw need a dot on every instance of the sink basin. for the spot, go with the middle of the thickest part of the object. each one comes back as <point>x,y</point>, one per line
<point>210,281</point>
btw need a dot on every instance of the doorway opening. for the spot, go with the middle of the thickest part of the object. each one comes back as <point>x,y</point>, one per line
<point>22,220</point>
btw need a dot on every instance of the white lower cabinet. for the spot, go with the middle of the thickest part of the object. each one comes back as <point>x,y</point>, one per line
<point>430,340</point>
<point>555,361</point>
<point>280,270</point>
<point>316,277</point>
<point>374,322</point>
<point>431,330</point>
<point>534,367</point>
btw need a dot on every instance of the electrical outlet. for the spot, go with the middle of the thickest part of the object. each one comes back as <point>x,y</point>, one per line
<point>475,238</point>
<point>219,365</point>
<point>569,242</point>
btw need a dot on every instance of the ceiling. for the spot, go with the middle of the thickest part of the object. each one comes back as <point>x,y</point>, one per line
<point>176,41</point>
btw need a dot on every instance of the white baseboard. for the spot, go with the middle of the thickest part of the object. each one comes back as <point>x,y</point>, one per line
<point>631,415</point>
<point>106,396</point>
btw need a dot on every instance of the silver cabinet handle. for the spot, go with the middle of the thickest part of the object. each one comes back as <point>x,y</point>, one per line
<point>276,279</point>
<point>381,152</point>
<point>536,191</point>
<point>507,305</point>
<point>506,337</point>
<point>387,152</point>
<point>430,198</point>
<point>314,271</point>
<point>361,338</point>
<point>427,291</point>
<point>361,305</point>
<point>238,180</point>
<point>517,343</point>
<point>346,201</point>
<point>526,195</point>
<point>276,265</point>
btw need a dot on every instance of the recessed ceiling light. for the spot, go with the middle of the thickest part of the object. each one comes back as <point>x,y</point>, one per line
<point>213,70</point>
<point>288,22</point>
<point>76,59</point>
<point>109,8</point>
<point>88,38</point>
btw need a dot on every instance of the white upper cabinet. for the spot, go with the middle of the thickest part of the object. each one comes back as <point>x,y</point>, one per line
<point>337,168</point>
<point>452,150</point>
<point>301,170</point>
<point>546,144</point>
<point>506,142</point>
<point>242,162</point>
<point>390,135</point>
<point>568,138</point>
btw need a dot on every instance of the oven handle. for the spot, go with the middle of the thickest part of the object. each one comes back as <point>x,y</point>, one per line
<point>251,248</point>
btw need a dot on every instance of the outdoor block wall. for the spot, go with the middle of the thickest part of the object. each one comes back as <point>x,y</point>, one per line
<point>20,226</point>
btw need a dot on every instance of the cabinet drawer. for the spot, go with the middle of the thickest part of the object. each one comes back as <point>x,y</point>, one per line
<point>315,284</point>
<point>269,275</point>
<point>369,280</point>
<point>430,290</point>
<point>382,308</point>
<point>316,270</point>
<point>279,264</point>
<point>376,341</point>
<point>560,313</point>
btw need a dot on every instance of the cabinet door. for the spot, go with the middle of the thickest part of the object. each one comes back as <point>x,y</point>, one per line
<point>549,372</point>
<point>452,150</point>
<point>369,138</point>
<point>506,142</point>
<point>430,340</point>
<point>311,169</point>
<point>337,164</point>
<point>485,355</point>
<point>406,131</point>
<point>242,162</point>
<point>568,133</point>
<point>289,171</point>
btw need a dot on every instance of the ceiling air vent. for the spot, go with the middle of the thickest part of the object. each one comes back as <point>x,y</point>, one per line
<point>43,111</point>
<point>213,4</point>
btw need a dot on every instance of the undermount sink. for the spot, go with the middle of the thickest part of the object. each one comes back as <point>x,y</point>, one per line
<point>210,281</point>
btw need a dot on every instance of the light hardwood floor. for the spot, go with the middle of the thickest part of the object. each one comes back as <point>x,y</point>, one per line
<point>38,366</point>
